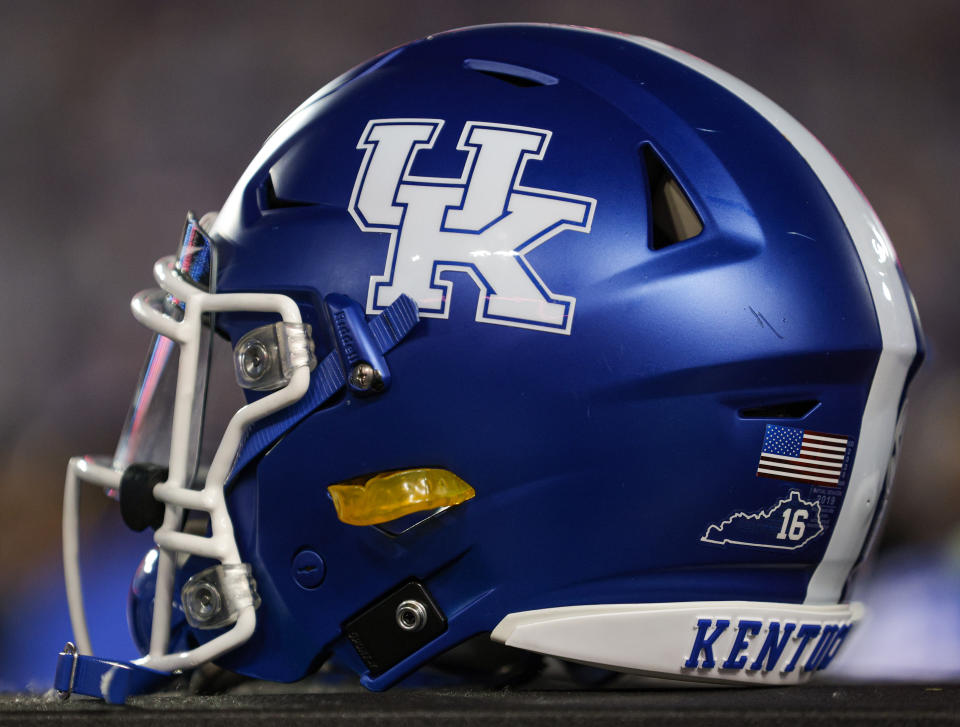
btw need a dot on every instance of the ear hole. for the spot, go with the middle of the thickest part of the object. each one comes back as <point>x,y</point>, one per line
<point>673,217</point>
<point>509,73</point>
<point>788,410</point>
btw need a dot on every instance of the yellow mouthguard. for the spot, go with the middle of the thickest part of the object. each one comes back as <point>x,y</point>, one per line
<point>390,495</point>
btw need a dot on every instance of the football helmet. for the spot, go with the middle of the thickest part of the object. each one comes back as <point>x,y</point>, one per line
<point>553,334</point>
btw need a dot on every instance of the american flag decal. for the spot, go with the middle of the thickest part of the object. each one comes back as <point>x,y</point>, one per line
<point>801,455</point>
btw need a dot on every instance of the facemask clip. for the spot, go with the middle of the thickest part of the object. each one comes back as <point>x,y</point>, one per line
<point>266,357</point>
<point>214,597</point>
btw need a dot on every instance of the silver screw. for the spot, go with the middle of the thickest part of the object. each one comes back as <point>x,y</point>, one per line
<point>204,602</point>
<point>411,615</point>
<point>254,359</point>
<point>364,377</point>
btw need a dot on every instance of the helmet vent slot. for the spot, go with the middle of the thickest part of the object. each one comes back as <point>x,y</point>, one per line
<point>268,199</point>
<point>787,410</point>
<point>673,217</point>
<point>509,73</point>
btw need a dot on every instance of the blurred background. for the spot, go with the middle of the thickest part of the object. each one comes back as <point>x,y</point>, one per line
<point>116,117</point>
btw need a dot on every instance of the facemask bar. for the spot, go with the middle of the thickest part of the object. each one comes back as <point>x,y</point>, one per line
<point>221,545</point>
<point>96,471</point>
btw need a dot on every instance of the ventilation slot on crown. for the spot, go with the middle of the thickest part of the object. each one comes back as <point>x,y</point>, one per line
<point>509,73</point>
<point>789,410</point>
<point>673,217</point>
<point>270,201</point>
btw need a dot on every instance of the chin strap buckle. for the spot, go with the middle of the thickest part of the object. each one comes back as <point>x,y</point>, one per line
<point>109,680</point>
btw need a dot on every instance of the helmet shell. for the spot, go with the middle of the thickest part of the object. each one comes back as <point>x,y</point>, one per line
<point>600,452</point>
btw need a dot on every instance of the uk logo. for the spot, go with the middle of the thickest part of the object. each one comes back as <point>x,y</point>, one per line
<point>483,223</point>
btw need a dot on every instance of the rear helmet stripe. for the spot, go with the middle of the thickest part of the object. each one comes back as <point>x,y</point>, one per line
<point>898,334</point>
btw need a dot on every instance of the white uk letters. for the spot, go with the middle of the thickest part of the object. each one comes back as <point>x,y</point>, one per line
<point>483,223</point>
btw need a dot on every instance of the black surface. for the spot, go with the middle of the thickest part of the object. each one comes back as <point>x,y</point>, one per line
<point>138,507</point>
<point>810,705</point>
<point>380,642</point>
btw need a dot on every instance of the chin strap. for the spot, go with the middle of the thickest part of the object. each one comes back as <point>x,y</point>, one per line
<point>111,681</point>
<point>376,337</point>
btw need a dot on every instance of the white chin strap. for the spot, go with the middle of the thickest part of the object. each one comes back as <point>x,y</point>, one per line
<point>221,544</point>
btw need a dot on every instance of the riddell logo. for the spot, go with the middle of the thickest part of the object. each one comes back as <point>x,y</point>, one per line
<point>483,223</point>
<point>783,648</point>
<point>346,337</point>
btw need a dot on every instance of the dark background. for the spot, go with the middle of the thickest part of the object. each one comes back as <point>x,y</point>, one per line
<point>116,117</point>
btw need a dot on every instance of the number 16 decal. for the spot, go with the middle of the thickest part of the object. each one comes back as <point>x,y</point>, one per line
<point>789,524</point>
<point>797,525</point>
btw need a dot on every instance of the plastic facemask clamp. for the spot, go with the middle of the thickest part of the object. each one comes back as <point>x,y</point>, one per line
<point>266,357</point>
<point>360,352</point>
<point>214,597</point>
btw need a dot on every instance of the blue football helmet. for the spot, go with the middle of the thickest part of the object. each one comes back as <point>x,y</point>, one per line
<point>550,334</point>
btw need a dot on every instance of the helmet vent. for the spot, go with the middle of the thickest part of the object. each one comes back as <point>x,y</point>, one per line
<point>672,214</point>
<point>509,73</point>
<point>269,200</point>
<point>788,410</point>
